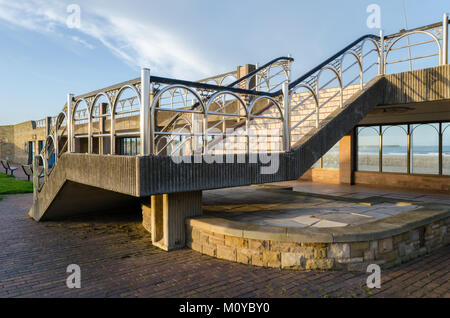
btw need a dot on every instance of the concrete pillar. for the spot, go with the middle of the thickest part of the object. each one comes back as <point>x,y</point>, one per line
<point>346,159</point>
<point>165,215</point>
<point>146,214</point>
<point>103,144</point>
<point>247,84</point>
<point>48,125</point>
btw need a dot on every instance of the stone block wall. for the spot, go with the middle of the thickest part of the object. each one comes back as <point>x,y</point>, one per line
<point>14,137</point>
<point>7,142</point>
<point>351,256</point>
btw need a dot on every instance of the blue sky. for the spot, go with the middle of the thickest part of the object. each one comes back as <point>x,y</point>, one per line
<point>41,59</point>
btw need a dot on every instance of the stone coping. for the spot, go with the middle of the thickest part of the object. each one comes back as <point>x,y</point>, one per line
<point>379,229</point>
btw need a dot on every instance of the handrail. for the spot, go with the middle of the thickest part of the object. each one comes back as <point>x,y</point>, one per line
<point>249,75</point>
<point>173,81</point>
<point>422,28</point>
<point>327,61</point>
<point>229,86</point>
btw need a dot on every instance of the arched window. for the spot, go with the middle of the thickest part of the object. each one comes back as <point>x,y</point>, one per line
<point>368,148</point>
<point>425,149</point>
<point>446,149</point>
<point>395,149</point>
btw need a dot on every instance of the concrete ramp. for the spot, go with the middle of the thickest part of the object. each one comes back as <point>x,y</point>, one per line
<point>102,182</point>
<point>76,199</point>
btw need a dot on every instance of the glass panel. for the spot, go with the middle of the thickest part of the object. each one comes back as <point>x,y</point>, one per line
<point>130,146</point>
<point>331,158</point>
<point>446,149</point>
<point>395,150</point>
<point>133,152</point>
<point>368,141</point>
<point>316,165</point>
<point>425,149</point>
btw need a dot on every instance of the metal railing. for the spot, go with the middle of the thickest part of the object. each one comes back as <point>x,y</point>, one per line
<point>177,117</point>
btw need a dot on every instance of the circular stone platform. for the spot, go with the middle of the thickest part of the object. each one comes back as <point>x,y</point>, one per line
<point>276,227</point>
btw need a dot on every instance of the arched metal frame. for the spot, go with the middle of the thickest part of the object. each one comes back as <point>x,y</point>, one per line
<point>364,128</point>
<point>211,101</point>
<point>154,108</point>
<point>265,75</point>
<point>394,126</point>
<point>101,116</point>
<point>252,116</point>
<point>114,112</point>
<point>342,71</point>
<point>443,130</point>
<point>318,88</point>
<point>170,139</point>
<point>44,169</point>
<point>376,44</point>
<point>59,120</point>
<point>407,34</point>
<point>46,156</point>
<point>292,93</point>
<point>74,120</point>
<point>220,83</point>
<point>419,125</point>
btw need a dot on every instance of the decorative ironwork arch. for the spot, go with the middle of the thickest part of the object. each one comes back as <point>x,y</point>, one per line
<point>154,108</point>
<point>436,40</point>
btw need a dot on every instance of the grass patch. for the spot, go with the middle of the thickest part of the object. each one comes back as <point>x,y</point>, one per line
<point>10,185</point>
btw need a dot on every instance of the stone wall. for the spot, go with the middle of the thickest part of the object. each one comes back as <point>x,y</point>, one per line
<point>7,142</point>
<point>228,244</point>
<point>14,137</point>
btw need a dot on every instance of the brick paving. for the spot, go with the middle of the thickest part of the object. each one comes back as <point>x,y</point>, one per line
<point>117,260</point>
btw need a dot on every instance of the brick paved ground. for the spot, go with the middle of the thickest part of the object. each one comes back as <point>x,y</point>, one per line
<point>117,259</point>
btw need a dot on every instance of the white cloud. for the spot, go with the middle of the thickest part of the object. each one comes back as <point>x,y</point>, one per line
<point>138,43</point>
<point>83,42</point>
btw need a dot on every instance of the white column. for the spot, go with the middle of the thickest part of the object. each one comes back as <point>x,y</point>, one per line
<point>69,123</point>
<point>287,118</point>
<point>381,66</point>
<point>445,39</point>
<point>144,113</point>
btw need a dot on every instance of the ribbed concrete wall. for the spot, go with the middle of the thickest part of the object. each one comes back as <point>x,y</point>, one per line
<point>112,173</point>
<point>431,84</point>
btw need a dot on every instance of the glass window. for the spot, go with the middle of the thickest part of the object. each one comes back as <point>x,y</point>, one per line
<point>316,165</point>
<point>395,149</point>
<point>368,142</point>
<point>129,146</point>
<point>425,148</point>
<point>446,149</point>
<point>331,159</point>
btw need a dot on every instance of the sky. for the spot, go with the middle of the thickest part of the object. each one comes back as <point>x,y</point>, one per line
<point>44,55</point>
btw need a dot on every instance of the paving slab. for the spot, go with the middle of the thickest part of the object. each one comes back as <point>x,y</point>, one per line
<point>117,259</point>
